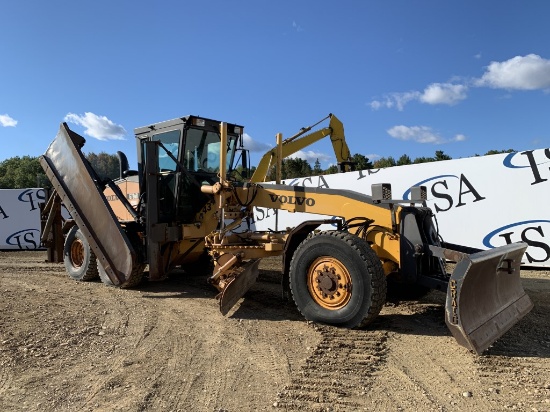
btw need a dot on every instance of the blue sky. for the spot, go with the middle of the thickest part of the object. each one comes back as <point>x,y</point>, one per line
<point>405,77</point>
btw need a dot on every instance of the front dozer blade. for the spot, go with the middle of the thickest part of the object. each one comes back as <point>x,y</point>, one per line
<point>238,285</point>
<point>485,297</point>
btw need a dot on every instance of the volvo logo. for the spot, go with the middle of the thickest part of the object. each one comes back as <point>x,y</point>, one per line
<point>292,200</point>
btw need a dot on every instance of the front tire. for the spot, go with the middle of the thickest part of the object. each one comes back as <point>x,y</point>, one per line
<point>336,278</point>
<point>80,261</point>
<point>133,280</point>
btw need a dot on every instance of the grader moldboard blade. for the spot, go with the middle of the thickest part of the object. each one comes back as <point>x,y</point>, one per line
<point>485,297</point>
<point>71,177</point>
<point>238,286</point>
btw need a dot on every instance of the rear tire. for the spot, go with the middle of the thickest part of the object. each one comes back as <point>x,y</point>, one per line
<point>78,257</point>
<point>336,278</point>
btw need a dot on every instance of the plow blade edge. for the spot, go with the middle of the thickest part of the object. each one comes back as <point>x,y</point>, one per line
<point>69,173</point>
<point>238,286</point>
<point>485,297</point>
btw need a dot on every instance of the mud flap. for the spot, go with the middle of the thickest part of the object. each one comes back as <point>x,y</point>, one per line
<point>238,285</point>
<point>485,297</point>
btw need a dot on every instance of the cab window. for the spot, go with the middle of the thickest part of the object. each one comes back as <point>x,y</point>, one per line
<point>171,141</point>
<point>202,151</point>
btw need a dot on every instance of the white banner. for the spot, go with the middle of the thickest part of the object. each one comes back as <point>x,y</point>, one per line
<point>20,218</point>
<point>482,202</point>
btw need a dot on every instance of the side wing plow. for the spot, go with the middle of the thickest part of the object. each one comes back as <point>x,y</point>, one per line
<point>71,177</point>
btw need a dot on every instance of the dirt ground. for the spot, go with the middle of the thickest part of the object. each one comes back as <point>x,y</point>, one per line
<point>68,346</point>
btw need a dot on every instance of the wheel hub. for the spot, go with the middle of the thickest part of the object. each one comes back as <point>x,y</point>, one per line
<point>77,253</point>
<point>329,283</point>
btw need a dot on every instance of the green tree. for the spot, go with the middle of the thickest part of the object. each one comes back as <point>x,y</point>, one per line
<point>22,172</point>
<point>106,165</point>
<point>361,162</point>
<point>423,159</point>
<point>492,152</point>
<point>317,168</point>
<point>384,162</point>
<point>238,173</point>
<point>440,155</point>
<point>292,167</point>
<point>404,160</point>
<point>331,170</point>
<point>295,167</point>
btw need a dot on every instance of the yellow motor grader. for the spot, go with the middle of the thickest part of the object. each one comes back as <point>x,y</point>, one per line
<point>191,201</point>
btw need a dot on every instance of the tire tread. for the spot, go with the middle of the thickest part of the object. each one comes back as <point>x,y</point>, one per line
<point>363,250</point>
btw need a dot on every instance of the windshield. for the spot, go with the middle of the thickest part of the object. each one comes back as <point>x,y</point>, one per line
<point>202,151</point>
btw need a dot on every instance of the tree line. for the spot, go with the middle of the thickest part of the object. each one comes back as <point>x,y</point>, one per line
<point>23,172</point>
<point>295,167</point>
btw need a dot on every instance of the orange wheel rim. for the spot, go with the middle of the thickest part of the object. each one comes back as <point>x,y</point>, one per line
<point>329,283</point>
<point>77,253</point>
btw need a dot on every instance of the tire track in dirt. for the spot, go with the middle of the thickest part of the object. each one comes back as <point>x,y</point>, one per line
<point>425,369</point>
<point>339,372</point>
<point>161,347</point>
<point>199,366</point>
<point>521,359</point>
<point>67,346</point>
<point>5,378</point>
<point>151,338</point>
<point>125,323</point>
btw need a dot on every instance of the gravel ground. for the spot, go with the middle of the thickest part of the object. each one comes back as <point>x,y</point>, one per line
<point>68,346</point>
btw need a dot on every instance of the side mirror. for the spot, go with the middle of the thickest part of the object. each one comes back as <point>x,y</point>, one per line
<point>123,163</point>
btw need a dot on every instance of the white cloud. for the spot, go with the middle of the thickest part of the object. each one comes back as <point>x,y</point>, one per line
<point>435,93</point>
<point>310,156</point>
<point>98,127</point>
<point>254,145</point>
<point>7,121</point>
<point>375,104</point>
<point>398,100</point>
<point>421,134</point>
<point>530,72</point>
<point>444,93</point>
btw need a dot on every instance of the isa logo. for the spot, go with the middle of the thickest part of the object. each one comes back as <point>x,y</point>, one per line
<point>448,191</point>
<point>533,159</point>
<point>26,239</point>
<point>32,197</point>
<point>532,232</point>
